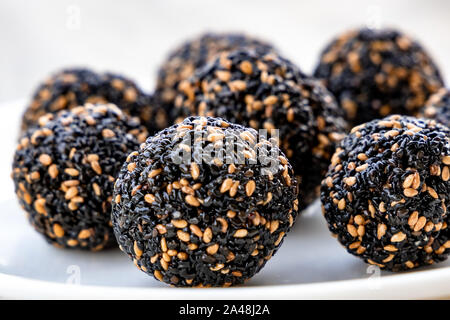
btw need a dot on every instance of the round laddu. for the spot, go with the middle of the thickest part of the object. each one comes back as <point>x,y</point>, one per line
<point>269,92</point>
<point>374,73</point>
<point>64,172</point>
<point>204,203</point>
<point>194,54</point>
<point>438,107</point>
<point>386,196</point>
<point>73,87</point>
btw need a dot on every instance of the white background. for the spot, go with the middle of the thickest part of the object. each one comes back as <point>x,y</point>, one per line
<point>133,37</point>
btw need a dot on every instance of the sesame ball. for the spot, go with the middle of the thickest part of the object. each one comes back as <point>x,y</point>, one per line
<point>374,73</point>
<point>195,53</point>
<point>438,107</point>
<point>64,172</point>
<point>204,203</point>
<point>386,196</point>
<point>70,88</point>
<point>269,92</point>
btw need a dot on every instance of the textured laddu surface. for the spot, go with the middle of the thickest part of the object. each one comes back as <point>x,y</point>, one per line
<point>64,173</point>
<point>70,88</point>
<point>374,73</point>
<point>210,222</point>
<point>194,54</point>
<point>266,91</point>
<point>386,196</point>
<point>438,107</point>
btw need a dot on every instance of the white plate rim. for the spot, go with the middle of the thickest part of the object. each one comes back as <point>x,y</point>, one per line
<point>427,284</point>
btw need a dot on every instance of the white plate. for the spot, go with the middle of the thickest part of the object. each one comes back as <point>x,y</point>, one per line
<point>310,264</point>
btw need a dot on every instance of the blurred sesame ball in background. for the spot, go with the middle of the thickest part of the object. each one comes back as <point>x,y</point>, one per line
<point>73,87</point>
<point>193,54</point>
<point>266,91</point>
<point>374,73</point>
<point>438,107</point>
